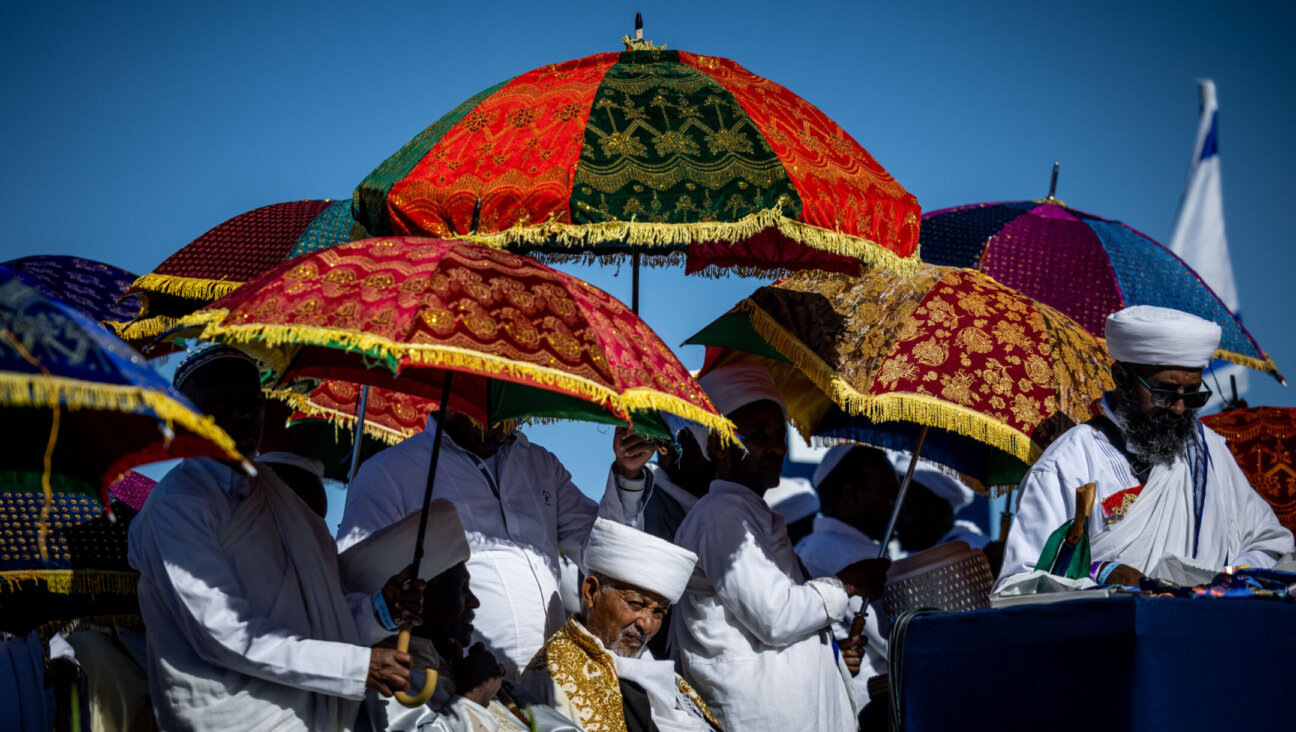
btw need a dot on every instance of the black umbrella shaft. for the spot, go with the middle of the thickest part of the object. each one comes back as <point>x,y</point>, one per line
<point>904,488</point>
<point>432,469</point>
<point>357,439</point>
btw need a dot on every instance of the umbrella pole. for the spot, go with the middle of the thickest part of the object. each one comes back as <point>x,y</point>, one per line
<point>904,488</point>
<point>362,403</point>
<point>403,640</point>
<point>634,279</point>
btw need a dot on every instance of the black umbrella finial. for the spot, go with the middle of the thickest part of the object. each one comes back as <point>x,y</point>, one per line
<point>638,26</point>
<point>637,43</point>
<point>1053,183</point>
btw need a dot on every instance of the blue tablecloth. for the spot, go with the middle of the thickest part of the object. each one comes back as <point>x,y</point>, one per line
<point>1112,664</point>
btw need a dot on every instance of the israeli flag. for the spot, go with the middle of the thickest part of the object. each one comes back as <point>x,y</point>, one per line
<point>1198,237</point>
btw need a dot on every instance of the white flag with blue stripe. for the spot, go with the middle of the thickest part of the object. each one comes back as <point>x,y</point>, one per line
<point>1198,237</point>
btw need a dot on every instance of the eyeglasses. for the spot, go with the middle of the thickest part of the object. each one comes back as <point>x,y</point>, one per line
<point>1167,397</point>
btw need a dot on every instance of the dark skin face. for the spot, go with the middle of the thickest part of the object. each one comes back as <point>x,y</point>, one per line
<point>924,519</point>
<point>230,391</point>
<point>867,500</point>
<point>763,432</point>
<point>1182,379</point>
<point>448,606</point>
<point>687,467</point>
<point>472,438</point>
<point>623,617</point>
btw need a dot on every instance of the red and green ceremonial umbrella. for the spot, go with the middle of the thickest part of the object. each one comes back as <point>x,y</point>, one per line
<point>1263,441</point>
<point>654,151</point>
<point>228,255</point>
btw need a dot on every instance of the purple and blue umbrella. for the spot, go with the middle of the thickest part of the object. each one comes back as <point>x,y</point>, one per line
<point>92,287</point>
<point>1085,266</point>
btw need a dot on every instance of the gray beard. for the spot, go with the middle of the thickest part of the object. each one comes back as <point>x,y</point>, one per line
<point>1158,439</point>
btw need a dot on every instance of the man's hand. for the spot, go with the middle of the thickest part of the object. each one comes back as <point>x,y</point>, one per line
<point>404,597</point>
<point>1124,574</point>
<point>632,453</point>
<point>477,675</point>
<point>389,671</point>
<point>865,578</point>
<point>852,651</point>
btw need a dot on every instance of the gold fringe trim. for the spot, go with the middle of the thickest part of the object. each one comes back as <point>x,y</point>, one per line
<point>339,419</point>
<point>71,581</point>
<point>25,390</point>
<point>651,235</point>
<point>146,328</point>
<point>898,406</point>
<point>190,288</point>
<point>264,338</point>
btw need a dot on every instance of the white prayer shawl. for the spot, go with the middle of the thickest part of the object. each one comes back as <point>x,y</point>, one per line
<point>518,509</point>
<point>1237,526</point>
<point>753,635</point>
<point>671,709</point>
<point>828,549</point>
<point>248,625</point>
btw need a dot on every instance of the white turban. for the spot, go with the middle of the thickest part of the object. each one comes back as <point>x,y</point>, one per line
<point>793,499</point>
<point>829,463</point>
<point>1145,334</point>
<point>939,482</point>
<point>734,386</point>
<point>638,559</point>
<point>366,566</point>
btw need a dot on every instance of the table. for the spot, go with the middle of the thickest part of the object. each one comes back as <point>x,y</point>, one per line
<point>1120,663</point>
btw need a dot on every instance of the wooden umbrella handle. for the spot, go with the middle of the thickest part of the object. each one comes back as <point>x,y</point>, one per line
<point>429,680</point>
<point>1085,495</point>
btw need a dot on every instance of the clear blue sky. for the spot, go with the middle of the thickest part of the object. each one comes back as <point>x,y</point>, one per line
<point>130,128</point>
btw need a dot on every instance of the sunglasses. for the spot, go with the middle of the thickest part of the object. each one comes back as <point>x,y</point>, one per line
<point>1167,397</point>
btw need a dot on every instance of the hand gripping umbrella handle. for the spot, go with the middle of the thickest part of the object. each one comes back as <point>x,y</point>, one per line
<point>429,681</point>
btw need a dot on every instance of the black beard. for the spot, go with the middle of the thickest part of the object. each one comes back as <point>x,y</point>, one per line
<point>1157,439</point>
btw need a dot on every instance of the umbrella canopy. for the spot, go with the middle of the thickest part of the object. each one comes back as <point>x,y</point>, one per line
<point>993,375</point>
<point>1263,441</point>
<point>390,416</point>
<point>528,341</point>
<point>230,254</point>
<point>65,379</point>
<point>664,152</point>
<point>94,288</point>
<point>1085,266</point>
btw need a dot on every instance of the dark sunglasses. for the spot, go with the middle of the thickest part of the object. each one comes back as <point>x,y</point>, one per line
<point>1167,397</point>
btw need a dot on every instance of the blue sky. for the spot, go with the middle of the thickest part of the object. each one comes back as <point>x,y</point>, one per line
<point>130,128</point>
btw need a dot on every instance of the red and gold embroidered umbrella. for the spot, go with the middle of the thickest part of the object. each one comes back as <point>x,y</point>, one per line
<point>1263,440</point>
<point>390,416</point>
<point>228,255</point>
<point>990,375</point>
<point>395,313</point>
<point>653,151</point>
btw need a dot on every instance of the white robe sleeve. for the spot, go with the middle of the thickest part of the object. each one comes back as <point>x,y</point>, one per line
<point>778,611</point>
<point>374,501</point>
<point>204,597</point>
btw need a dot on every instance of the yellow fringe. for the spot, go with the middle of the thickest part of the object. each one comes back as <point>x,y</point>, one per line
<point>302,403</point>
<point>262,339</point>
<point>898,406</point>
<point>25,390</point>
<point>190,288</point>
<point>145,328</point>
<point>71,581</point>
<point>651,235</point>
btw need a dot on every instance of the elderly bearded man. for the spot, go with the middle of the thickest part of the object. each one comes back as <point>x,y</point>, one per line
<point>470,694</point>
<point>754,632</point>
<point>596,669</point>
<point>1168,487</point>
<point>248,627</point>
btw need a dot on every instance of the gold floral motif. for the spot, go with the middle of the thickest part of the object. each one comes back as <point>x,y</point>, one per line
<point>1010,335</point>
<point>1027,411</point>
<point>1038,370</point>
<point>622,144</point>
<point>897,369</point>
<point>974,340</point>
<point>931,352</point>
<point>674,143</point>
<point>957,387</point>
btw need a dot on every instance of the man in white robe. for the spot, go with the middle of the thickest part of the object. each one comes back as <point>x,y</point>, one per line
<point>470,693</point>
<point>857,489</point>
<point>927,518</point>
<point>519,508</point>
<point>753,632</point>
<point>596,668</point>
<point>248,627</point>
<point>1168,487</point>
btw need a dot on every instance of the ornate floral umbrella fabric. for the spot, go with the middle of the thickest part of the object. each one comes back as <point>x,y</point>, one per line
<point>230,254</point>
<point>1085,266</point>
<point>655,150</point>
<point>1263,441</point>
<point>393,312</point>
<point>94,288</point>
<point>874,358</point>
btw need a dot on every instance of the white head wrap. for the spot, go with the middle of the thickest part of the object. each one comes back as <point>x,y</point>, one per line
<point>944,485</point>
<point>829,463</point>
<point>1145,334</point>
<point>310,465</point>
<point>793,499</point>
<point>639,559</point>
<point>367,566</point>
<point>732,387</point>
